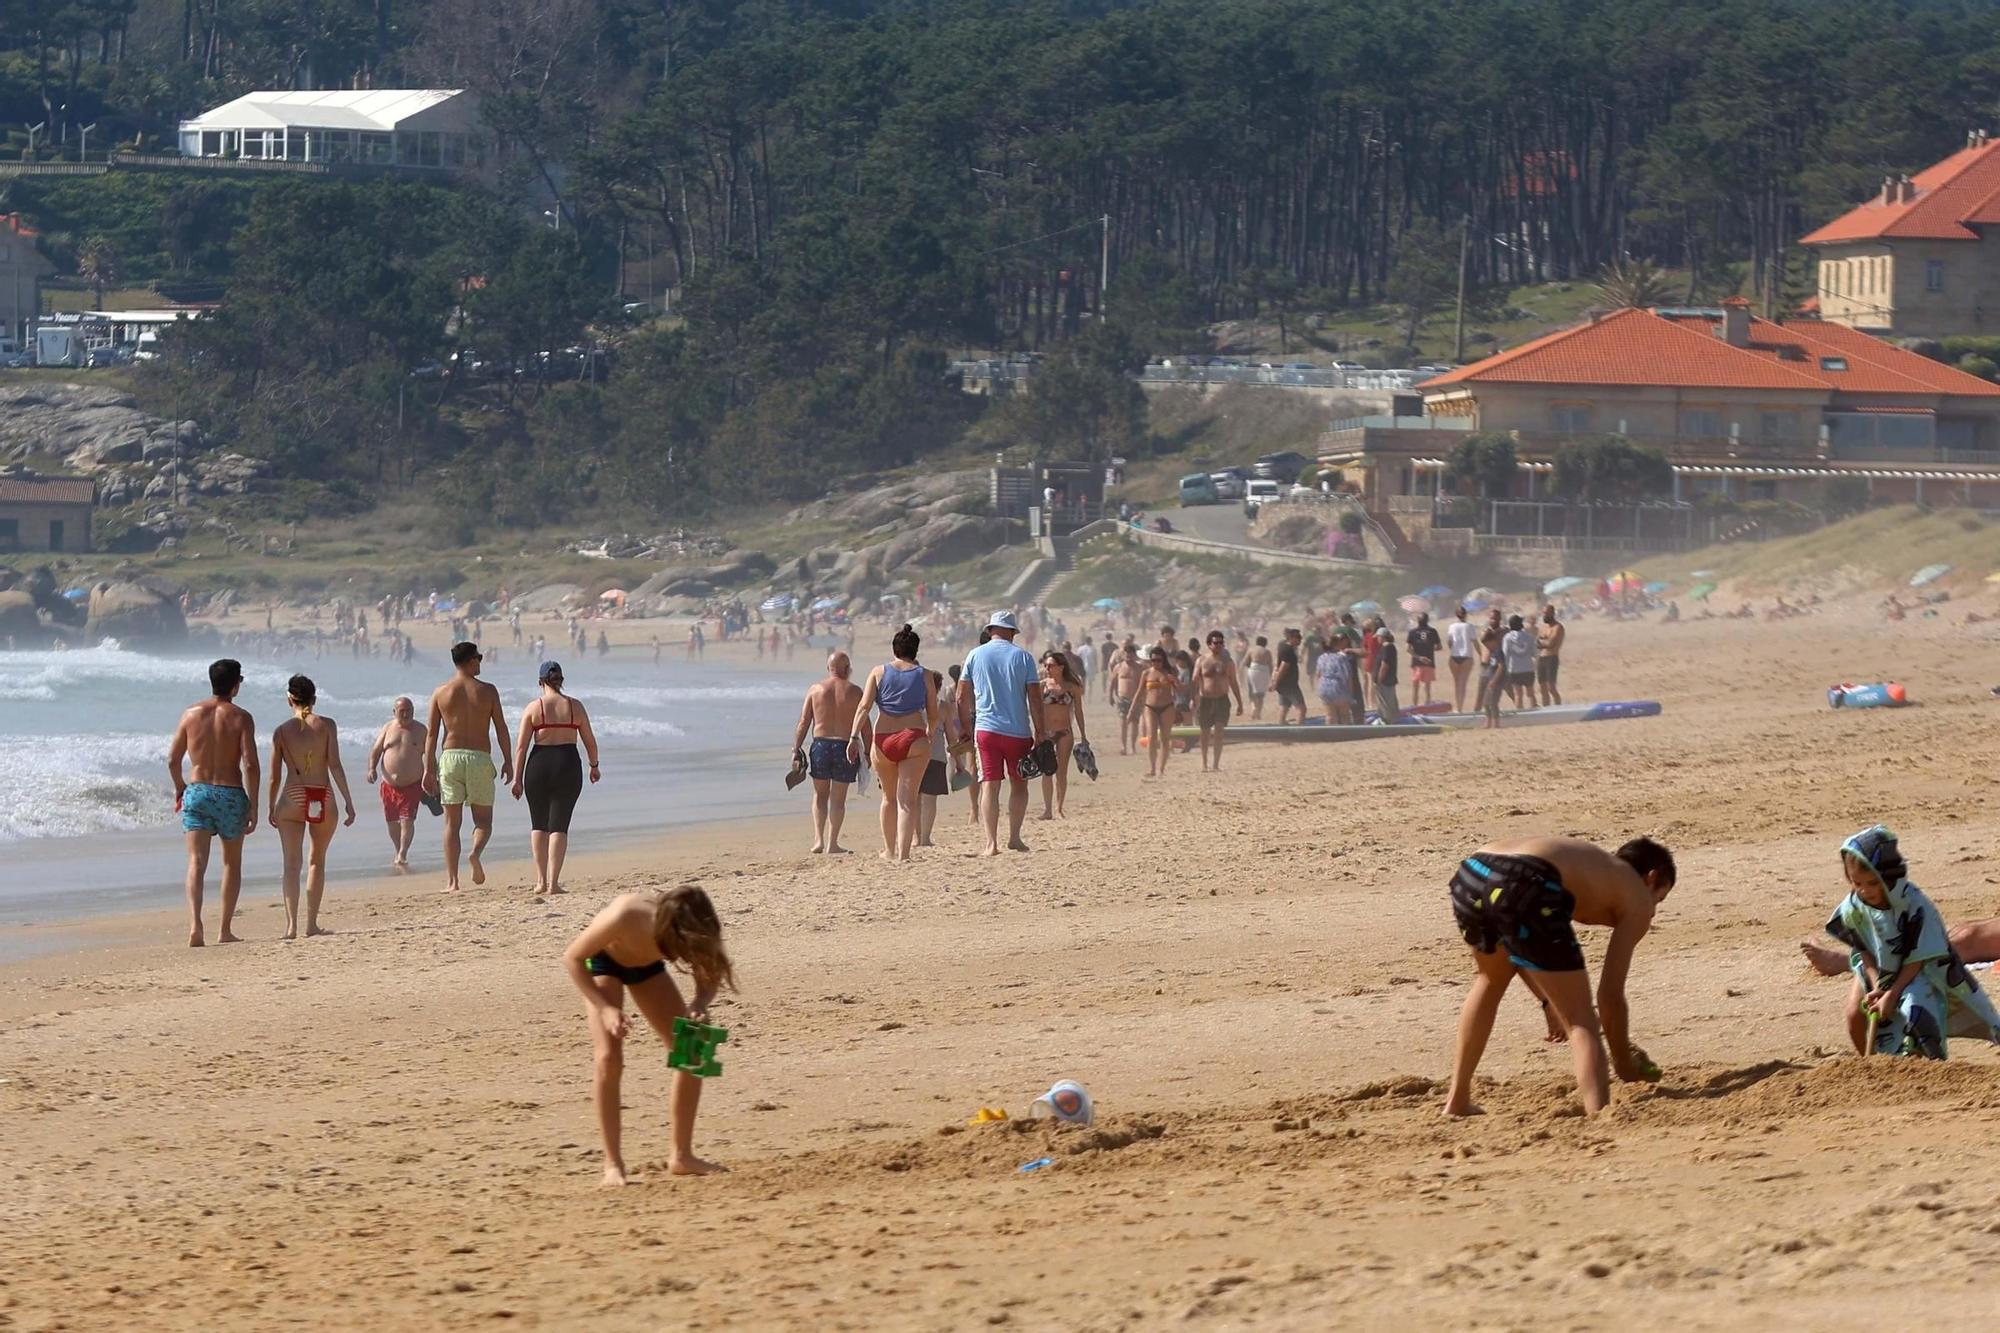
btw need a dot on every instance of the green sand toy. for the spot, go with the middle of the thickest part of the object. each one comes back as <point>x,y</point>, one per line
<point>694,1048</point>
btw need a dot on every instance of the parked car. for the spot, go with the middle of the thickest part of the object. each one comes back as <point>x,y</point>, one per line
<point>1349,367</point>
<point>1281,467</point>
<point>1198,489</point>
<point>1228,484</point>
<point>1260,491</point>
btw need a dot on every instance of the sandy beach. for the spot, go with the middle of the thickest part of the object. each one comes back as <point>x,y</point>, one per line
<point>1255,972</point>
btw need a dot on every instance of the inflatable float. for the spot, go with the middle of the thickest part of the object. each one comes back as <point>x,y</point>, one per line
<point>1549,717</point>
<point>1883,694</point>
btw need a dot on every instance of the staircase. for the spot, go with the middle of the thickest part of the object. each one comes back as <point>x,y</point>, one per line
<point>1040,579</point>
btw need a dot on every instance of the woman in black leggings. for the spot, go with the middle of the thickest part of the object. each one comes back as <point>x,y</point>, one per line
<point>551,774</point>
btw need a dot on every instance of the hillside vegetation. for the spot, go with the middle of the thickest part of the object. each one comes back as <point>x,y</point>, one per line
<point>1880,549</point>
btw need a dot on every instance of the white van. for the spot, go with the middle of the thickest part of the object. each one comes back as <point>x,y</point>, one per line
<point>1260,491</point>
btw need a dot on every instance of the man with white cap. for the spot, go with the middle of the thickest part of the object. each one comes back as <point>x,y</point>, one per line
<point>1007,707</point>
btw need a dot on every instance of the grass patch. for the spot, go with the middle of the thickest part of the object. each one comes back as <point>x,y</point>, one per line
<point>1881,546</point>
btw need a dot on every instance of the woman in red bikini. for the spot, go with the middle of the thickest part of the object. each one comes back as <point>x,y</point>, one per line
<point>903,692</point>
<point>305,759</point>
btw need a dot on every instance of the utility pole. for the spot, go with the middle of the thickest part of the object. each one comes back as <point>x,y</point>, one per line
<point>1103,266</point>
<point>1458,325</point>
<point>83,143</point>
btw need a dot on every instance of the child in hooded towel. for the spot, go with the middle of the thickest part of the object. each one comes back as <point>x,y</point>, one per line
<point>1904,968</point>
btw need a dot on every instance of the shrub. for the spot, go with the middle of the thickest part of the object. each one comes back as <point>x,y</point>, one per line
<point>1352,523</point>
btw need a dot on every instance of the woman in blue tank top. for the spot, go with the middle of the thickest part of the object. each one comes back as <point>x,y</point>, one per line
<point>907,701</point>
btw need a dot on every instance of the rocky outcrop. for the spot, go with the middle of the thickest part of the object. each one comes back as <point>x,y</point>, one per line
<point>88,426</point>
<point>920,498</point>
<point>945,540</point>
<point>132,612</point>
<point>17,615</point>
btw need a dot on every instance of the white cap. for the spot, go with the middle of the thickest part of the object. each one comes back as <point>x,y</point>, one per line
<point>1067,1101</point>
<point>1002,620</point>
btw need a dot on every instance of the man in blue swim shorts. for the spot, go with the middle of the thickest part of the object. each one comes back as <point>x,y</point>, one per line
<point>828,715</point>
<point>220,741</point>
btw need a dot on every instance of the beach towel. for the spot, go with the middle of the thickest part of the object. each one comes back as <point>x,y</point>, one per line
<point>1943,998</point>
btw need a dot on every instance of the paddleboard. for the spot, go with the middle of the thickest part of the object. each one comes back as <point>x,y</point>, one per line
<point>1294,732</point>
<point>1549,717</point>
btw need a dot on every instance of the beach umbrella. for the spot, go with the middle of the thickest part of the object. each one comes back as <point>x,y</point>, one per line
<point>615,596</point>
<point>1437,592</point>
<point>1365,607</point>
<point>1485,595</point>
<point>78,594</point>
<point>1929,574</point>
<point>1414,604</point>
<point>825,603</point>
<point>1701,590</point>
<point>1654,589</point>
<point>1561,585</point>
<point>1108,604</point>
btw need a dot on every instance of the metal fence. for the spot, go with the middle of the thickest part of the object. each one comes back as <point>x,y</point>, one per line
<point>1280,377</point>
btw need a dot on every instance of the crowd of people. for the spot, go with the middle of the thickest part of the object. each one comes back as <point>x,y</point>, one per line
<point>445,763</point>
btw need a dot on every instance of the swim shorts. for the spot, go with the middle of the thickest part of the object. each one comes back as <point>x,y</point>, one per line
<point>465,777</point>
<point>1545,671</point>
<point>937,779</point>
<point>1289,697</point>
<point>601,964</point>
<point>1213,712</point>
<point>1517,903</point>
<point>1000,755</point>
<point>400,803</point>
<point>1423,675</point>
<point>223,811</point>
<point>828,760</point>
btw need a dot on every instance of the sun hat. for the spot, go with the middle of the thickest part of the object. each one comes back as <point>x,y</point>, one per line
<point>1002,620</point>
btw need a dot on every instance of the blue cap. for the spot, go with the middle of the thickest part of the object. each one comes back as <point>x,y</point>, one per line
<point>548,669</point>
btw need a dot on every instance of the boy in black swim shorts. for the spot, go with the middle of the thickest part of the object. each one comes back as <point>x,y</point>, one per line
<point>1517,903</point>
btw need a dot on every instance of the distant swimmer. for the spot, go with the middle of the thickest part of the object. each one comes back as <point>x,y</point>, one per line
<point>397,761</point>
<point>1516,902</point>
<point>551,773</point>
<point>907,701</point>
<point>220,742</point>
<point>628,947</point>
<point>462,709</point>
<point>828,715</point>
<point>305,769</point>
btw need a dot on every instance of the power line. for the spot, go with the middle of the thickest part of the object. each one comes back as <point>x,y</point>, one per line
<point>1036,240</point>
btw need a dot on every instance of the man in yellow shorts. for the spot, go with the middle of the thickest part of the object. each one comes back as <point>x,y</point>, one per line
<point>461,711</point>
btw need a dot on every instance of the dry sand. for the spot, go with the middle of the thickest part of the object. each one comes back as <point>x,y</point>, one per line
<point>1255,973</point>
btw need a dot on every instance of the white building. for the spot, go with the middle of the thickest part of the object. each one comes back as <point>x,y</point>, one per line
<point>415,128</point>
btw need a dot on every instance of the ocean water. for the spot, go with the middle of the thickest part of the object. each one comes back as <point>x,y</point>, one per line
<point>86,808</point>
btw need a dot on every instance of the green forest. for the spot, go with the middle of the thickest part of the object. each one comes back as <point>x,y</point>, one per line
<point>840,196</point>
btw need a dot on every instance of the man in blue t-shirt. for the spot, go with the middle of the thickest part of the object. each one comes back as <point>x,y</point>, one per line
<point>1007,723</point>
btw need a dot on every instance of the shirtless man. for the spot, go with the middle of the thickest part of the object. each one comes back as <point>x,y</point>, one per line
<point>1258,664</point>
<point>829,715</point>
<point>398,762</point>
<point>1515,902</point>
<point>1215,682</point>
<point>1122,679</point>
<point>221,741</point>
<point>461,710</point>
<point>1549,636</point>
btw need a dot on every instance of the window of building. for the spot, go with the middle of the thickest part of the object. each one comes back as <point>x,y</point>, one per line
<point>55,534</point>
<point>1833,363</point>
<point>1701,422</point>
<point>1933,275</point>
<point>1571,418</point>
<point>1779,425</point>
<point>10,533</point>
<point>1760,489</point>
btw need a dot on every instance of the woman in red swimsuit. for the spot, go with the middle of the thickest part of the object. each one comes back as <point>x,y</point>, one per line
<point>305,769</point>
<point>903,692</point>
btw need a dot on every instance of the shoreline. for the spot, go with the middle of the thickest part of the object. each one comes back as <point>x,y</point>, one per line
<point>119,929</point>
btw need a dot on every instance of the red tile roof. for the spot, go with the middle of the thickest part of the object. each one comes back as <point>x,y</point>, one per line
<point>1643,349</point>
<point>47,490</point>
<point>1957,194</point>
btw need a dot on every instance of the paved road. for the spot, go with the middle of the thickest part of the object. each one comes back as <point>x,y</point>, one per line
<point>1215,523</point>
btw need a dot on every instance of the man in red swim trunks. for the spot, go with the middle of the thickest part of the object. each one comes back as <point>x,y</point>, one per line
<point>398,761</point>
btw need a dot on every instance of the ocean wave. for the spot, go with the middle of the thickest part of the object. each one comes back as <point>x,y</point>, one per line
<point>667,696</point>
<point>47,675</point>
<point>634,726</point>
<point>70,786</point>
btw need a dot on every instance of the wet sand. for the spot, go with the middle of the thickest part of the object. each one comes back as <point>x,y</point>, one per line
<point>1255,973</point>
